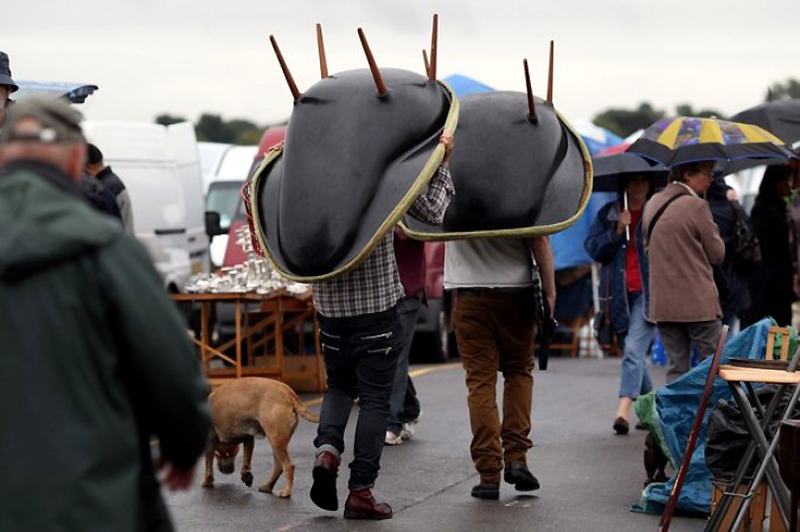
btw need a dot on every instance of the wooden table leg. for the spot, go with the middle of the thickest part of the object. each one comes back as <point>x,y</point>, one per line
<point>238,305</point>
<point>279,337</point>
<point>248,353</point>
<point>204,336</point>
<point>301,339</point>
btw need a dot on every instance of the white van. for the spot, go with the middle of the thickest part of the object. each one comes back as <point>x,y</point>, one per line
<point>161,170</point>
<point>184,148</point>
<point>211,155</point>
<point>231,167</point>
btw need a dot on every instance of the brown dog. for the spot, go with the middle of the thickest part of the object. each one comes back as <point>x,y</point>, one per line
<point>248,408</point>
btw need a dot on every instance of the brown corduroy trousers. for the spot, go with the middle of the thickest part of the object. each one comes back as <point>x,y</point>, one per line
<point>495,333</point>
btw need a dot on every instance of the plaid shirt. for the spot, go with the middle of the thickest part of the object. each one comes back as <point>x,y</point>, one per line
<point>374,285</point>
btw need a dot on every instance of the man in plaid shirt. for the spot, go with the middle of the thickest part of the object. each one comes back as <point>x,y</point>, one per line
<point>360,333</point>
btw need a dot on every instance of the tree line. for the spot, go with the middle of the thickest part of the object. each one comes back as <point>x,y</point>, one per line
<point>213,128</point>
<point>623,122</point>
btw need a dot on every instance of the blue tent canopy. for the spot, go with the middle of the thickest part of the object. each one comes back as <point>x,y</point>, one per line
<point>462,85</point>
<point>568,250</point>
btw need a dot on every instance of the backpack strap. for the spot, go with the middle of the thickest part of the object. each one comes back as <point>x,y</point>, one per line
<point>660,211</point>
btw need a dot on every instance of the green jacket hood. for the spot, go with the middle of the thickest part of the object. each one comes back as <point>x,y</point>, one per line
<point>44,220</point>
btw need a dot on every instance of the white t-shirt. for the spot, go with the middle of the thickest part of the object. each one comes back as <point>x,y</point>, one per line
<point>488,263</point>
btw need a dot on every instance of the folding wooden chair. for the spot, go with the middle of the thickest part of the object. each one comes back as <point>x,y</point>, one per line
<point>741,381</point>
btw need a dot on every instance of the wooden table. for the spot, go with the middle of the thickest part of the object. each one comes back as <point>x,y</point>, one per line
<point>256,333</point>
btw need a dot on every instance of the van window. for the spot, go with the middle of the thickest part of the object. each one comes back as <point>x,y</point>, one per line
<point>241,212</point>
<point>222,197</point>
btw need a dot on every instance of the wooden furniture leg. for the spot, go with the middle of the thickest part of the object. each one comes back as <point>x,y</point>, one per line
<point>204,335</point>
<point>238,306</point>
<point>279,336</point>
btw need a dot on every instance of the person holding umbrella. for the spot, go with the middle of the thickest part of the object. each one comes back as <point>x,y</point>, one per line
<point>682,241</point>
<point>615,241</point>
<point>683,245</point>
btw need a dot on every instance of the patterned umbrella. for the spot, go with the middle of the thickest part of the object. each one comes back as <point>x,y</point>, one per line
<point>674,141</point>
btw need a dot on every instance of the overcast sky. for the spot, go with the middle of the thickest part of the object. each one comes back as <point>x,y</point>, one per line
<point>187,57</point>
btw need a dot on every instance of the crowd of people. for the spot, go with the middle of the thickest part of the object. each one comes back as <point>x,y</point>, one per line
<point>686,278</point>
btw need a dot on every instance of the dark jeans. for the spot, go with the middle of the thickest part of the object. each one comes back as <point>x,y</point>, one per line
<point>404,405</point>
<point>360,358</point>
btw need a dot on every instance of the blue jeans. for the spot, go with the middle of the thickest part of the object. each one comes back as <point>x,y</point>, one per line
<point>636,341</point>
<point>361,360</point>
<point>404,405</point>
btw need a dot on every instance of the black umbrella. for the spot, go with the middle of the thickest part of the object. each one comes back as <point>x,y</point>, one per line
<point>779,117</point>
<point>608,169</point>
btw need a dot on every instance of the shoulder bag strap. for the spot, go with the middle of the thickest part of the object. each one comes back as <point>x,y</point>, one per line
<point>660,211</point>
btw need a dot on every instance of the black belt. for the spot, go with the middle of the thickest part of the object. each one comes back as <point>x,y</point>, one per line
<point>385,317</point>
<point>497,293</point>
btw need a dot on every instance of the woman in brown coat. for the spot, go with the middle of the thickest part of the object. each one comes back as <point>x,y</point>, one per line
<point>683,243</point>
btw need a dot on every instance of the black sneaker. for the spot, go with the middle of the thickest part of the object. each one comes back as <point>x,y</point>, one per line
<point>621,426</point>
<point>486,491</point>
<point>520,477</point>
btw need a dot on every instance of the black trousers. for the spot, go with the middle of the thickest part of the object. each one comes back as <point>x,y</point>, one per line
<point>360,358</point>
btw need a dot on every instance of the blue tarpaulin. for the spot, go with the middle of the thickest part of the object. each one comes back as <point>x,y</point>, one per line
<point>669,413</point>
<point>568,250</point>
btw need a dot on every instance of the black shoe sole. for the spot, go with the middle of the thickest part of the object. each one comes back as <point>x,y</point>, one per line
<point>348,514</point>
<point>323,490</point>
<point>485,494</point>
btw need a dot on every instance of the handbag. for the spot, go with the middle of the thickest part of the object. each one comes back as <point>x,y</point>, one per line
<point>745,245</point>
<point>604,331</point>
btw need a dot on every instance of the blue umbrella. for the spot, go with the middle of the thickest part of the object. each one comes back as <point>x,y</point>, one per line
<point>462,85</point>
<point>74,92</point>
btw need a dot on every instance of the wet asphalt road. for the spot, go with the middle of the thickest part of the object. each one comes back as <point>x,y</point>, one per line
<point>589,476</point>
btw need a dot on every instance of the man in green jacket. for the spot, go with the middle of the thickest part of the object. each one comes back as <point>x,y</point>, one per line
<point>94,358</point>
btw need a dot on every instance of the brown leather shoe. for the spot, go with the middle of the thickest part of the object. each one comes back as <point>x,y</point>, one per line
<point>323,490</point>
<point>362,505</point>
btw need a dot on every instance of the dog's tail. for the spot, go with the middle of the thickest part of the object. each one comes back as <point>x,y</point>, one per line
<point>302,409</point>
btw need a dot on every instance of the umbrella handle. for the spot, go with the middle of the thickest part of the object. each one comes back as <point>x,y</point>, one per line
<point>625,208</point>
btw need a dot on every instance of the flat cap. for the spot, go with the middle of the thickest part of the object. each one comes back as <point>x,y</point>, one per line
<point>56,122</point>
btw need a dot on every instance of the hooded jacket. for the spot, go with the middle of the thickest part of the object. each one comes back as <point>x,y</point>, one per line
<point>94,361</point>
